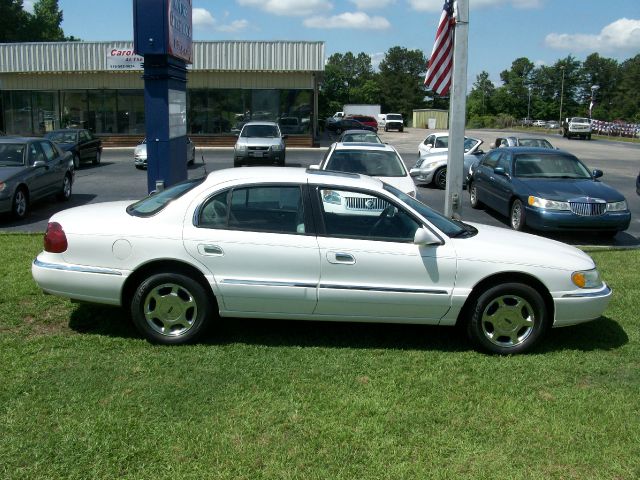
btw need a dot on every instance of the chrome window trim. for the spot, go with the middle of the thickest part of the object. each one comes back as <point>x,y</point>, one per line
<point>76,268</point>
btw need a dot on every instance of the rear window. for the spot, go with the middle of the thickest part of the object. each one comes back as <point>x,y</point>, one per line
<point>157,201</point>
<point>12,154</point>
<point>382,163</point>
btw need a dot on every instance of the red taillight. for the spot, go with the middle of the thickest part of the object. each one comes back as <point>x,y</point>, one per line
<point>55,240</point>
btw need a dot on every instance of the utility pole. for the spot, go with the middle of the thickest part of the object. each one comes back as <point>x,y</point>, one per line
<point>457,111</point>
<point>561,94</point>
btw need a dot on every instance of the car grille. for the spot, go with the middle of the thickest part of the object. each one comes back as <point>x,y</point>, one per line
<point>364,203</point>
<point>264,149</point>
<point>588,209</point>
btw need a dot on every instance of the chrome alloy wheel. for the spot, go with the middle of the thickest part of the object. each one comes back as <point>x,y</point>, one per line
<point>508,321</point>
<point>170,310</point>
<point>20,204</point>
<point>66,187</point>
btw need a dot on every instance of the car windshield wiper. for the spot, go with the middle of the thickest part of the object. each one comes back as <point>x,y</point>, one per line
<point>467,230</point>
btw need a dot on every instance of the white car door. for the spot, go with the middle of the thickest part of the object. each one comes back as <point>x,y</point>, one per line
<point>253,241</point>
<point>370,267</point>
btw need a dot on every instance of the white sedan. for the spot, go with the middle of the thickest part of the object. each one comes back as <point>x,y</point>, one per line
<point>262,243</point>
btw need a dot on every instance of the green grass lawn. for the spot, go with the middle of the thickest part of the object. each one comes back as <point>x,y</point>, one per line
<point>82,396</point>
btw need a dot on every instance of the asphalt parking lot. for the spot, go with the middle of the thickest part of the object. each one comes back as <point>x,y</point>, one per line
<point>117,179</point>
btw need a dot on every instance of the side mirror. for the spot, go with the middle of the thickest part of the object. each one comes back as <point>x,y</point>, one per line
<point>314,167</point>
<point>479,152</point>
<point>39,163</point>
<point>424,236</point>
<point>500,171</point>
<point>597,173</point>
<point>429,145</point>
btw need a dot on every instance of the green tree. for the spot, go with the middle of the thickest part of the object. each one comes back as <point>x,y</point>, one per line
<point>401,81</point>
<point>13,20</point>
<point>513,97</point>
<point>626,99</point>
<point>44,24</point>
<point>480,99</point>
<point>605,74</point>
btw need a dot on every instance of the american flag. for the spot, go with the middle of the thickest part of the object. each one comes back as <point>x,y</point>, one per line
<point>440,64</point>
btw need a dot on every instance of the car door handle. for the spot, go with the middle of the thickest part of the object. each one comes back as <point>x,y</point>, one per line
<point>340,257</point>
<point>210,250</point>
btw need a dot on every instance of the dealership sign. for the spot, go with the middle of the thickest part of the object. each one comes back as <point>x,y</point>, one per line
<point>180,30</point>
<point>124,60</point>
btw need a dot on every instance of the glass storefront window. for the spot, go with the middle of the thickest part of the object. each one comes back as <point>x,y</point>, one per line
<point>73,106</point>
<point>102,112</point>
<point>46,115</point>
<point>131,112</point>
<point>295,111</point>
<point>17,113</point>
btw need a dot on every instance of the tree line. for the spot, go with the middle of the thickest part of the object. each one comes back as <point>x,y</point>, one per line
<point>43,25</point>
<point>526,91</point>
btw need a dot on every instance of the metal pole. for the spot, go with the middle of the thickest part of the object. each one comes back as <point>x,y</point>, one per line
<point>561,95</point>
<point>457,109</point>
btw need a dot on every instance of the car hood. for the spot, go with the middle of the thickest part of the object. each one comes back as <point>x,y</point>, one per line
<point>140,149</point>
<point>260,142</point>
<point>405,184</point>
<point>567,189</point>
<point>538,251</point>
<point>6,173</point>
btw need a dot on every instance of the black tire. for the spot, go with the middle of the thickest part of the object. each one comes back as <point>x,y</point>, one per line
<point>440,178</point>
<point>76,161</point>
<point>517,218</point>
<point>401,129</point>
<point>473,196</point>
<point>236,163</point>
<point>67,186</point>
<point>507,319</point>
<point>171,308</point>
<point>589,137</point>
<point>96,160</point>
<point>20,204</point>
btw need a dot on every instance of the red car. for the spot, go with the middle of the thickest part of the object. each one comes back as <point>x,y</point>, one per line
<point>366,120</point>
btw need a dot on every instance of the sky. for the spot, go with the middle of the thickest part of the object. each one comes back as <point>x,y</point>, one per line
<point>500,31</point>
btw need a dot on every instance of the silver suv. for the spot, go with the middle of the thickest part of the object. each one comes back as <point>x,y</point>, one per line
<point>260,143</point>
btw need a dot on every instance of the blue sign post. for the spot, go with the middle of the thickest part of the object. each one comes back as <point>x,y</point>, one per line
<point>163,36</point>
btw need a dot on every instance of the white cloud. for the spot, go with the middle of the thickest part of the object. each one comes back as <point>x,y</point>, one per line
<point>357,20</point>
<point>436,5</point>
<point>376,58</point>
<point>623,34</point>
<point>202,18</point>
<point>372,4</point>
<point>27,5</point>
<point>301,8</point>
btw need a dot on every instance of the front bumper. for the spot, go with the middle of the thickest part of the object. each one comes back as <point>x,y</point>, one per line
<point>576,307</point>
<point>140,161</point>
<point>422,174</point>
<point>550,220</point>
<point>260,157</point>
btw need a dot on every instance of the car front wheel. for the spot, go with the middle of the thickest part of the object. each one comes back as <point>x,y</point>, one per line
<point>171,308</point>
<point>76,161</point>
<point>96,160</point>
<point>65,192</point>
<point>440,178</point>
<point>473,196</point>
<point>20,204</point>
<point>508,318</point>
<point>517,217</point>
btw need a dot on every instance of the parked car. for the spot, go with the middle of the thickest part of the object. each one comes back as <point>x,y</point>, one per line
<point>82,144</point>
<point>140,154</point>
<point>553,125</point>
<point>547,190</point>
<point>434,143</point>
<point>393,121</point>
<point>290,125</point>
<point>260,143</point>
<point>539,123</point>
<point>365,120</point>
<point>374,159</point>
<point>362,136</point>
<point>340,126</point>
<point>521,142</point>
<point>31,169</point>
<point>432,168</point>
<point>264,243</point>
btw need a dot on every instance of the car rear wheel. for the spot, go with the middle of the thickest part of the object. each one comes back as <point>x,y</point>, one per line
<point>473,196</point>
<point>440,178</point>
<point>517,218</point>
<point>96,161</point>
<point>508,318</point>
<point>76,161</point>
<point>65,192</point>
<point>171,308</point>
<point>20,204</point>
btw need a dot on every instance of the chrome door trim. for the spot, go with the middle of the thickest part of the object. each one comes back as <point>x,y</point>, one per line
<point>265,283</point>
<point>76,268</point>
<point>384,289</point>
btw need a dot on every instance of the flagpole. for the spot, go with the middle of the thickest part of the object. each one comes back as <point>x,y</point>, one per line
<point>457,112</point>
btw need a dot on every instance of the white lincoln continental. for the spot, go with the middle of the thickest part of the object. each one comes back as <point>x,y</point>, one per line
<point>272,243</point>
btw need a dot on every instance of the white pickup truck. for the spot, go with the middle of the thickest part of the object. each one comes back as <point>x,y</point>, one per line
<point>577,127</point>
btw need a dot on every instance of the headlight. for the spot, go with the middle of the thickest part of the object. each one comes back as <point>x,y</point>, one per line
<point>431,165</point>
<point>419,162</point>
<point>241,147</point>
<point>276,148</point>
<point>586,279</point>
<point>330,196</point>
<point>2,186</point>
<point>548,204</point>
<point>617,206</point>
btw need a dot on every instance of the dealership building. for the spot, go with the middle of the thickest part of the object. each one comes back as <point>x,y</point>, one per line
<point>99,86</point>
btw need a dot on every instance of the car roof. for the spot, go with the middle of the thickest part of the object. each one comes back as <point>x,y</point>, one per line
<point>541,150</point>
<point>258,122</point>
<point>364,146</point>
<point>10,139</point>
<point>66,130</point>
<point>291,175</point>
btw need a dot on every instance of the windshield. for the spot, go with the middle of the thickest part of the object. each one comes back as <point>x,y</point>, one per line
<point>549,166</point>
<point>260,131</point>
<point>469,143</point>
<point>361,137</point>
<point>157,201</point>
<point>382,163</point>
<point>12,154</point>
<point>394,117</point>
<point>62,137</point>
<point>451,228</point>
<point>580,120</point>
<point>534,142</point>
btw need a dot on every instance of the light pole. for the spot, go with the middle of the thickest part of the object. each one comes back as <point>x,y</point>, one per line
<point>561,94</point>
<point>594,89</point>
<point>529,105</point>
